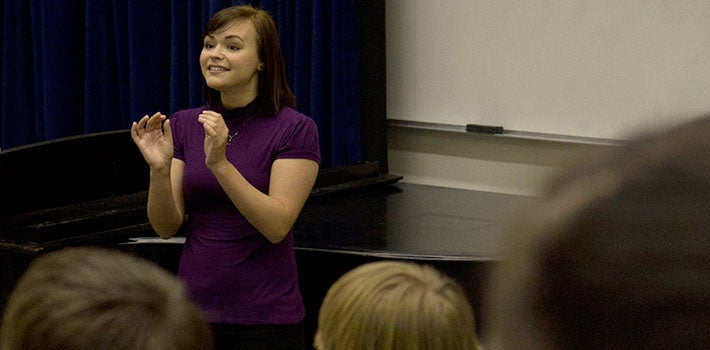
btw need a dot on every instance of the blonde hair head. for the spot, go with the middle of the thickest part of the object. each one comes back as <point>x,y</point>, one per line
<point>395,305</point>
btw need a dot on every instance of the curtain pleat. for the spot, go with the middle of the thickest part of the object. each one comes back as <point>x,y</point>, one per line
<point>18,99</point>
<point>59,79</point>
<point>344,103</point>
<point>101,60</point>
<point>80,66</point>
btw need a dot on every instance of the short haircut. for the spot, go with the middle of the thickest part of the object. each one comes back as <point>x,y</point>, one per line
<point>97,298</point>
<point>395,305</point>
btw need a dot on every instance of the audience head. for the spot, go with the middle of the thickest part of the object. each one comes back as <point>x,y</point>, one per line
<point>95,298</point>
<point>395,306</point>
<point>616,254</point>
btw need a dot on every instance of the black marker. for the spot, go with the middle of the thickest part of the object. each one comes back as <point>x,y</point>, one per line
<point>484,129</point>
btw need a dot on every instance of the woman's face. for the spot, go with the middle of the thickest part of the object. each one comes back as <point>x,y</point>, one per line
<point>230,61</point>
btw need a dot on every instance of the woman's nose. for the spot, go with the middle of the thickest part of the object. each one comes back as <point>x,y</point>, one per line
<point>216,53</point>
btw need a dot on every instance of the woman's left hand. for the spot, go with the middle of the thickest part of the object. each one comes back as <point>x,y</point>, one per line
<point>216,133</point>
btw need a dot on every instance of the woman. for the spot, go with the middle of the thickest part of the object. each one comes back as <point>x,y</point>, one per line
<point>234,175</point>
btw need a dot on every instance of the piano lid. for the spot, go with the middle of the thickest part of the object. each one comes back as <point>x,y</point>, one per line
<point>93,187</point>
<point>70,170</point>
<point>86,188</point>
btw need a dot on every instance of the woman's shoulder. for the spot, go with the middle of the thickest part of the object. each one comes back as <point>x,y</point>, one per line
<point>186,120</point>
<point>288,122</point>
<point>289,111</point>
<point>290,115</point>
<point>188,112</point>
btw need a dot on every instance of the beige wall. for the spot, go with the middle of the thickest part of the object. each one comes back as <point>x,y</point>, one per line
<point>601,70</point>
<point>479,162</point>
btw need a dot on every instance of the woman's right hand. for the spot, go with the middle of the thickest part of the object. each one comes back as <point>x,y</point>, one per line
<point>154,139</point>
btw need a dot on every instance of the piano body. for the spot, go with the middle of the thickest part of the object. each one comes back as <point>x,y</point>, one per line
<point>84,190</point>
<point>92,190</point>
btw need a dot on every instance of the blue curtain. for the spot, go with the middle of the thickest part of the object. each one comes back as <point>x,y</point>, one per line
<point>71,67</point>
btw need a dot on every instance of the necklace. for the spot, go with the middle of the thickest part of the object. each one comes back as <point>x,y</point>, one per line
<point>239,129</point>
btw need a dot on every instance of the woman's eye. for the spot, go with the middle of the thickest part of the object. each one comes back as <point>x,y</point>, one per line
<point>208,45</point>
<point>233,47</point>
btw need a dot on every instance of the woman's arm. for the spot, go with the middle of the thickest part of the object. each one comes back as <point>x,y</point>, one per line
<point>153,137</point>
<point>166,206</point>
<point>291,181</point>
<point>273,214</point>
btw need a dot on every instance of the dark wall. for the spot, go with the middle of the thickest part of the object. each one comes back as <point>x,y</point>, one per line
<point>371,62</point>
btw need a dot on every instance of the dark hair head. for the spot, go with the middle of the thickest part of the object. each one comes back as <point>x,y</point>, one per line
<point>274,92</point>
<point>616,254</point>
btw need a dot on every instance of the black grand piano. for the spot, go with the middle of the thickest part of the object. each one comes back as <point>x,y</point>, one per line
<point>92,190</point>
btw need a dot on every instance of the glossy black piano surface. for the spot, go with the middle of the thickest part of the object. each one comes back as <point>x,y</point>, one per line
<point>456,231</point>
<point>408,221</point>
<point>91,190</point>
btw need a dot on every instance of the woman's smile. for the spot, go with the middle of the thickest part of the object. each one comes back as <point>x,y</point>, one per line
<point>214,69</point>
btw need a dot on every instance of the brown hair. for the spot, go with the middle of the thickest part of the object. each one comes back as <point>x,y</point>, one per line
<point>95,298</point>
<point>616,254</point>
<point>274,92</point>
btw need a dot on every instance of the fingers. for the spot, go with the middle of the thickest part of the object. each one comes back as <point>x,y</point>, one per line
<point>210,130</point>
<point>167,131</point>
<point>212,118</point>
<point>155,122</point>
<point>213,123</point>
<point>135,132</point>
<point>211,113</point>
<point>148,124</point>
<point>138,129</point>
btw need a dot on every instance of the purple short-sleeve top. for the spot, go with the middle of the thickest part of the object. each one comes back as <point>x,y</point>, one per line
<point>230,269</point>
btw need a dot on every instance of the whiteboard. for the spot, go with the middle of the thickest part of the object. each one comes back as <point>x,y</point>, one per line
<point>590,68</point>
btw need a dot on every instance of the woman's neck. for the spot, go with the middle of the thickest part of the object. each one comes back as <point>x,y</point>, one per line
<point>236,102</point>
